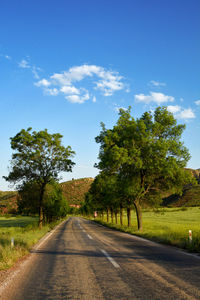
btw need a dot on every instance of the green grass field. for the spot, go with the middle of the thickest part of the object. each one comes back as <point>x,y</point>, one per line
<point>166,225</point>
<point>25,232</point>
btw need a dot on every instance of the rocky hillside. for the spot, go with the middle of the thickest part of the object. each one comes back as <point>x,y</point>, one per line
<point>74,190</point>
<point>8,202</point>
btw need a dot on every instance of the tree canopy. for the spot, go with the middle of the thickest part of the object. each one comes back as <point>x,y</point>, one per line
<point>38,157</point>
<point>146,154</point>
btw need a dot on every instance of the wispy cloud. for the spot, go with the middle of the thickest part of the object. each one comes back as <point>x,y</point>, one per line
<point>155,83</point>
<point>8,57</point>
<point>157,98</point>
<point>197,102</point>
<point>68,82</point>
<point>181,113</point>
<point>24,64</point>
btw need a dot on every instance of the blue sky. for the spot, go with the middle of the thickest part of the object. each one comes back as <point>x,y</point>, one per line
<point>67,65</point>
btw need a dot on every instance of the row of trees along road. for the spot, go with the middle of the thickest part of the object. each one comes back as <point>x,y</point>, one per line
<point>37,160</point>
<point>138,159</point>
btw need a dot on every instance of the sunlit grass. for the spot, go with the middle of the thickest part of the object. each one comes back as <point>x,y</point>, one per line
<point>24,231</point>
<point>166,225</point>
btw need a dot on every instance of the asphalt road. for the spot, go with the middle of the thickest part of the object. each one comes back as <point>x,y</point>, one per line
<point>83,260</point>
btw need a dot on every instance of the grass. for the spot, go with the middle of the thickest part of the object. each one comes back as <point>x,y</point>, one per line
<point>166,225</point>
<point>25,232</point>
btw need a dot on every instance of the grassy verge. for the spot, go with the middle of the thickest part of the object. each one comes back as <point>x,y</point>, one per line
<point>166,225</point>
<point>25,233</point>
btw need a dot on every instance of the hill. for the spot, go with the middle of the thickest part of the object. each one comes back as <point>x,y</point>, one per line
<point>8,202</point>
<point>74,190</point>
<point>190,196</point>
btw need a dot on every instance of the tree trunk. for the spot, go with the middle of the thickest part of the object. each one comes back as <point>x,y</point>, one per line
<point>41,215</point>
<point>116,217</point>
<point>111,210</point>
<point>129,216</point>
<point>107,215</point>
<point>121,215</point>
<point>139,215</point>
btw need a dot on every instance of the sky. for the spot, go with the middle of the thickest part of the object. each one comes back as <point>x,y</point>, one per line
<point>68,65</point>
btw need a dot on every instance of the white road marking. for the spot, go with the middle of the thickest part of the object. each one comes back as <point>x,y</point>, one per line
<point>89,236</point>
<point>115,264</point>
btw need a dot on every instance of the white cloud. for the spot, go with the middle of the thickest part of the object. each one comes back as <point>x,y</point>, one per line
<point>69,90</point>
<point>158,98</point>
<point>186,113</point>
<point>24,64</point>
<point>181,113</point>
<point>157,83</point>
<point>77,98</point>
<point>173,108</point>
<point>106,81</point>
<point>51,92</point>
<point>43,83</point>
<point>94,99</point>
<point>197,102</point>
<point>181,99</point>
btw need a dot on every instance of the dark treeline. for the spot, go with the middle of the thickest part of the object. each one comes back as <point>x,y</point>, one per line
<point>138,160</point>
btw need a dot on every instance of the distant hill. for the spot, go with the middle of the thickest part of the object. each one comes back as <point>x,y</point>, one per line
<point>8,202</point>
<point>74,190</point>
<point>190,196</point>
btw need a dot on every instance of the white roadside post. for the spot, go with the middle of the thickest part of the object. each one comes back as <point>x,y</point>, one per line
<point>12,242</point>
<point>190,236</point>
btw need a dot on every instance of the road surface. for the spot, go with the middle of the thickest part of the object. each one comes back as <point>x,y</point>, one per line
<point>84,260</point>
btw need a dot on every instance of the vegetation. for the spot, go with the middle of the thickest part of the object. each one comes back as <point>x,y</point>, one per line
<point>166,225</point>
<point>25,232</point>
<point>138,159</point>
<point>74,190</point>
<point>54,203</point>
<point>38,159</point>
<point>8,202</point>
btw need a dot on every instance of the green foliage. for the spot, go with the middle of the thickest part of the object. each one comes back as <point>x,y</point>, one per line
<point>38,159</point>
<point>147,156</point>
<point>54,203</point>
<point>38,156</point>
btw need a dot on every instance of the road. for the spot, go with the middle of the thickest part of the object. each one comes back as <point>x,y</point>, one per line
<point>84,260</point>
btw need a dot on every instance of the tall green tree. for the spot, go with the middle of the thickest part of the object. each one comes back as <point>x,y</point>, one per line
<point>147,154</point>
<point>54,203</point>
<point>38,157</point>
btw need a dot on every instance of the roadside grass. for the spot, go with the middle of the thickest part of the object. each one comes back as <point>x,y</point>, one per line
<point>25,232</point>
<point>165,225</point>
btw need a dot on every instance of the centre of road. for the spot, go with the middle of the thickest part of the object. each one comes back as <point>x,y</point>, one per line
<point>113,262</point>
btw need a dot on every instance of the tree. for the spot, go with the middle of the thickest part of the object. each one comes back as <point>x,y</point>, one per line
<point>147,154</point>
<point>38,157</point>
<point>54,203</point>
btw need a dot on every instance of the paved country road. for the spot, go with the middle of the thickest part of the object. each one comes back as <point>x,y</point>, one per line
<point>84,260</point>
